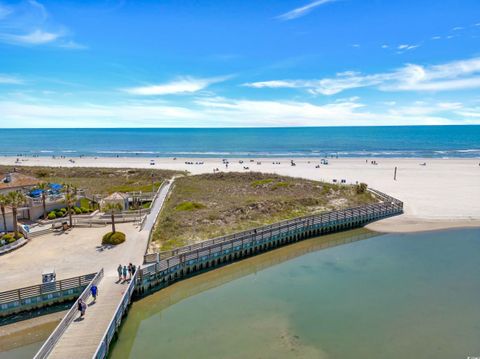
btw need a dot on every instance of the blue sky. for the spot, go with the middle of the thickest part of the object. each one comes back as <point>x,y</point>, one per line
<point>229,63</point>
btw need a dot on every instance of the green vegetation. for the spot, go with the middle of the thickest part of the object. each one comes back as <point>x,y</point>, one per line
<point>101,181</point>
<point>189,206</point>
<point>206,206</point>
<point>52,215</point>
<point>113,238</point>
<point>361,188</point>
<point>84,203</point>
<point>9,238</point>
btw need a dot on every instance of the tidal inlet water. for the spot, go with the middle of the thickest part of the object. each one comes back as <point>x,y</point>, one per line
<point>349,295</point>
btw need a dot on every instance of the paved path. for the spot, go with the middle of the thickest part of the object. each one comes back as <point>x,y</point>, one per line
<point>82,337</point>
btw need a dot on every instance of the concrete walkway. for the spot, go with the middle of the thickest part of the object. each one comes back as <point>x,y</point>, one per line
<point>82,337</point>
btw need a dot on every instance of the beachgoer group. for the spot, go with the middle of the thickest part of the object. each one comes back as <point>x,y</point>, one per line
<point>126,272</point>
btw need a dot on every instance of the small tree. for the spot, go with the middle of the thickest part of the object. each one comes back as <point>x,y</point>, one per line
<point>16,199</point>
<point>70,199</point>
<point>4,201</point>
<point>44,187</point>
<point>112,208</point>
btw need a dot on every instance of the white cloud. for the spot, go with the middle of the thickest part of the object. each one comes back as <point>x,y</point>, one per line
<point>36,37</point>
<point>436,37</point>
<point>224,112</point>
<point>183,85</point>
<point>385,46</point>
<point>301,11</point>
<point>458,28</point>
<point>7,79</point>
<point>407,47</point>
<point>28,23</point>
<point>456,75</point>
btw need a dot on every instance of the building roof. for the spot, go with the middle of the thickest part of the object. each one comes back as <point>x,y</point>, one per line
<point>17,181</point>
<point>116,196</point>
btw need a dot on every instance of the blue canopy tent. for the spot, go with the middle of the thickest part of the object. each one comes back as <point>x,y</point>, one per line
<point>36,193</point>
<point>55,187</point>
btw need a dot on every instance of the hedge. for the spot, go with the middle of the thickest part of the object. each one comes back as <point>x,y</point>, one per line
<point>113,238</point>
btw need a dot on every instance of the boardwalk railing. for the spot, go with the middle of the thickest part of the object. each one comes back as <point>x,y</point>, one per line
<point>17,300</point>
<point>102,349</point>
<point>183,261</point>
<point>49,344</point>
<point>387,204</point>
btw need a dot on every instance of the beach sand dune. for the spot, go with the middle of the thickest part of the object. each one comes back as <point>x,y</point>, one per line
<point>437,193</point>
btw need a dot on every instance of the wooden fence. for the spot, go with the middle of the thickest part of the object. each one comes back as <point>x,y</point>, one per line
<point>49,344</point>
<point>36,296</point>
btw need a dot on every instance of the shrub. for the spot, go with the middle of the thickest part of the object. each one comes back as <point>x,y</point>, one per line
<point>113,238</point>
<point>189,206</point>
<point>361,188</point>
<point>52,215</point>
<point>64,210</point>
<point>77,210</point>
<point>59,214</point>
<point>9,238</point>
<point>84,210</point>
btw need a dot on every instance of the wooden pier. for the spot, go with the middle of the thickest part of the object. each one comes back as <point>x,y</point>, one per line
<point>92,336</point>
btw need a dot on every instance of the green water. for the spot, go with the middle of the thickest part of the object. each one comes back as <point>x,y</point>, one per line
<point>389,296</point>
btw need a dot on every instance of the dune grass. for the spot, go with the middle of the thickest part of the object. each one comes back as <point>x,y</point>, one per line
<point>206,206</point>
<point>102,181</point>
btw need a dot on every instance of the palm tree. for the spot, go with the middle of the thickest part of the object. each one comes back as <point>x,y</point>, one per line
<point>4,201</point>
<point>44,187</point>
<point>70,199</point>
<point>16,199</point>
<point>112,208</point>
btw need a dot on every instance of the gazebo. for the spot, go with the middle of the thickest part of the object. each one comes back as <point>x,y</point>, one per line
<point>116,198</point>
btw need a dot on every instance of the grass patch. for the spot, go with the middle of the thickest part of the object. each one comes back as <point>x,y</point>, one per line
<point>262,182</point>
<point>99,181</point>
<point>189,206</point>
<point>210,205</point>
<point>111,238</point>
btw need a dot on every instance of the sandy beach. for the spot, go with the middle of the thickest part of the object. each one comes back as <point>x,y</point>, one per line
<point>437,193</point>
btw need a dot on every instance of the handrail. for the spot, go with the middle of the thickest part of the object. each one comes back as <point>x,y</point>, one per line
<point>239,235</point>
<point>102,349</point>
<point>39,288</point>
<point>49,344</point>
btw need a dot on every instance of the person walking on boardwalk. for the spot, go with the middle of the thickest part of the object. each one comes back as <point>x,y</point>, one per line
<point>130,271</point>
<point>94,291</point>
<point>119,270</point>
<point>124,273</point>
<point>82,307</point>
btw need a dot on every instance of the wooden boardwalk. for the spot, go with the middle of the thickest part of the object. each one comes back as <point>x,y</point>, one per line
<point>82,337</point>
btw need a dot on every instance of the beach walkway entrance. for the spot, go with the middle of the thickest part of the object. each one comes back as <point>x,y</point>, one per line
<point>84,338</point>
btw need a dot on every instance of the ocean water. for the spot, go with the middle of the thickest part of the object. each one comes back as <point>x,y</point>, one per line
<point>409,141</point>
<point>390,296</point>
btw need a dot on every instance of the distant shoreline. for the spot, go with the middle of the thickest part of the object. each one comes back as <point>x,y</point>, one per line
<point>438,193</point>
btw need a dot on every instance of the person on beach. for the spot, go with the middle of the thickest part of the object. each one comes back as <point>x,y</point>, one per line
<point>94,291</point>
<point>119,270</point>
<point>124,273</point>
<point>133,269</point>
